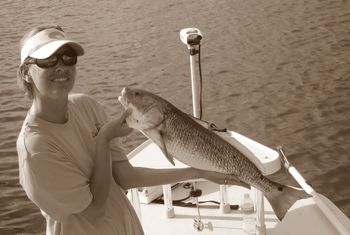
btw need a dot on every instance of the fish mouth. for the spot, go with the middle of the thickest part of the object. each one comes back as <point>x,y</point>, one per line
<point>123,101</point>
<point>122,98</point>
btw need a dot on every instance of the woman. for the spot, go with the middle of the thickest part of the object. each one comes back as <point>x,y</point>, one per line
<point>71,164</point>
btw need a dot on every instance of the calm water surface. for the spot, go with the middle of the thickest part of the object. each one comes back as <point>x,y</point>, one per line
<point>276,71</point>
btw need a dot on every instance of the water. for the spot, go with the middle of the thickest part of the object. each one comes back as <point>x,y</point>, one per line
<point>276,71</point>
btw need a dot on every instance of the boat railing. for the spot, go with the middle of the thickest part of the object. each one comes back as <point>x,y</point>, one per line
<point>267,160</point>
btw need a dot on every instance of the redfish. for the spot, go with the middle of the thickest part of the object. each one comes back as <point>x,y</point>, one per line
<point>181,136</point>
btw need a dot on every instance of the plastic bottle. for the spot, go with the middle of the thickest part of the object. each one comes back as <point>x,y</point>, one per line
<point>247,207</point>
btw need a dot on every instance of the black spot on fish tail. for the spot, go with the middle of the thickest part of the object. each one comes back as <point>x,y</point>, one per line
<point>282,200</point>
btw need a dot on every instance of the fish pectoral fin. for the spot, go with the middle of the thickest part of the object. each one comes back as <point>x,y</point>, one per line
<point>158,139</point>
<point>165,151</point>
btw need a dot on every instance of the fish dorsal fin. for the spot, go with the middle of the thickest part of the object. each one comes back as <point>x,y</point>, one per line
<point>207,125</point>
<point>158,139</point>
<point>201,122</point>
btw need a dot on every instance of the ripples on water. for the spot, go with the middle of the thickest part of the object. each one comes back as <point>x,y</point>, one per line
<point>276,71</point>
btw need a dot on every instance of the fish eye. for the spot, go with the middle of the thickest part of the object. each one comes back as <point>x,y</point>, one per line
<point>137,93</point>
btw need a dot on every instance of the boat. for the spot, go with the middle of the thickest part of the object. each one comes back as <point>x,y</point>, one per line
<point>314,215</point>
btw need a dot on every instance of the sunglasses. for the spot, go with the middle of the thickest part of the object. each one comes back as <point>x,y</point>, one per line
<point>67,58</point>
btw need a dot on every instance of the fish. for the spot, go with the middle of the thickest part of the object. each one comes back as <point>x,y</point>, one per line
<point>185,138</point>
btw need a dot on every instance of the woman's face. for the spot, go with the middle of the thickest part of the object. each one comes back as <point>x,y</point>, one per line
<point>55,82</point>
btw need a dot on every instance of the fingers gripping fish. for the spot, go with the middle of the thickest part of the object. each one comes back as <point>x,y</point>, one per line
<point>180,136</point>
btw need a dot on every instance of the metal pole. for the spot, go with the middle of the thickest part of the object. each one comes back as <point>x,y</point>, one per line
<point>192,38</point>
<point>168,202</point>
<point>260,212</point>
<point>307,188</point>
<point>195,87</point>
<point>224,205</point>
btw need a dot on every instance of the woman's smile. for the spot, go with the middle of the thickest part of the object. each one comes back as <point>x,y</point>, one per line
<point>60,79</point>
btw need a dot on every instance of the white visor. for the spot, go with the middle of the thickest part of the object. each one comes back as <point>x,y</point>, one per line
<point>45,43</point>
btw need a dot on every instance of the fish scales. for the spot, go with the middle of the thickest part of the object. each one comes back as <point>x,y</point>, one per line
<point>214,153</point>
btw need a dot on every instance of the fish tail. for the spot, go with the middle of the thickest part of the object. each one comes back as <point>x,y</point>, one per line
<point>282,200</point>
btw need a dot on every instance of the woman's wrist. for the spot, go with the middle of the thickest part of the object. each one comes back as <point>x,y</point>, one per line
<point>102,138</point>
<point>107,132</point>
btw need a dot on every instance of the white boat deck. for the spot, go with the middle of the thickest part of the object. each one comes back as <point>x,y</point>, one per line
<point>303,218</point>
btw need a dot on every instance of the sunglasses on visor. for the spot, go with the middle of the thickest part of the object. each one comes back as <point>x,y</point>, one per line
<point>67,58</point>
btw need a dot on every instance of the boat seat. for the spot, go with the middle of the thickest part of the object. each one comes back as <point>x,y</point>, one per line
<point>265,159</point>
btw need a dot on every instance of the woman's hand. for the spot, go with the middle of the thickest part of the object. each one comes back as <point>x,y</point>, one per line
<point>117,127</point>
<point>102,170</point>
<point>220,178</point>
